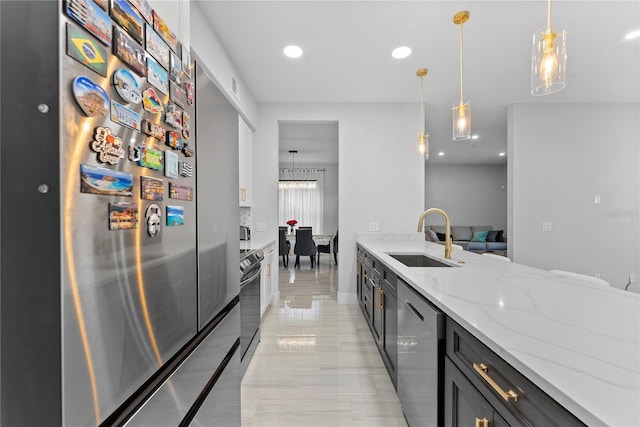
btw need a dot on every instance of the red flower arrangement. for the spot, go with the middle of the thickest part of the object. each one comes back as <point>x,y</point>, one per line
<point>292,222</point>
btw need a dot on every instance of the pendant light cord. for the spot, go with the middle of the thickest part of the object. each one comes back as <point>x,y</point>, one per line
<point>549,18</point>
<point>462,62</point>
<point>422,105</point>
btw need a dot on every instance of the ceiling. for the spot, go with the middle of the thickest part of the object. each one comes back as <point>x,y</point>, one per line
<point>347,57</point>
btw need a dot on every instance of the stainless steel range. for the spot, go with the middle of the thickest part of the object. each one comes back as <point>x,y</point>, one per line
<point>250,268</point>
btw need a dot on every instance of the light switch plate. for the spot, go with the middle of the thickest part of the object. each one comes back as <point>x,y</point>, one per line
<point>373,226</point>
<point>546,226</point>
<point>261,226</point>
<point>597,199</point>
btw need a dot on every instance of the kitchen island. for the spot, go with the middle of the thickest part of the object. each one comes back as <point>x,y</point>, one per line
<point>579,344</point>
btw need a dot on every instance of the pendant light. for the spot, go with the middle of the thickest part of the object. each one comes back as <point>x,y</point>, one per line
<point>423,145</point>
<point>461,111</point>
<point>548,60</point>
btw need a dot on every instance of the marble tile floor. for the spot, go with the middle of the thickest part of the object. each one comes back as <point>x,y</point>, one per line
<point>317,363</point>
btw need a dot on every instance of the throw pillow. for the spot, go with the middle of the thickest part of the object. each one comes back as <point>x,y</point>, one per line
<point>441,236</point>
<point>491,236</point>
<point>432,235</point>
<point>499,237</point>
<point>480,236</point>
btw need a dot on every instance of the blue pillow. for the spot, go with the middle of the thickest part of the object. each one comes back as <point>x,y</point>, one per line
<point>480,236</point>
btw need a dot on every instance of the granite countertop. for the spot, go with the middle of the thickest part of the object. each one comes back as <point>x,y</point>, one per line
<point>256,243</point>
<point>580,343</point>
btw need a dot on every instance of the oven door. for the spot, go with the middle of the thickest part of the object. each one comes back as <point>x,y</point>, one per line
<point>249,308</point>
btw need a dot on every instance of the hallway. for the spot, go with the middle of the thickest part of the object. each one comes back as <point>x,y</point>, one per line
<point>317,363</point>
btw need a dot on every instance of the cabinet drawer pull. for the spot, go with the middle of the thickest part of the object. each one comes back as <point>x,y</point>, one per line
<point>482,370</point>
<point>482,422</point>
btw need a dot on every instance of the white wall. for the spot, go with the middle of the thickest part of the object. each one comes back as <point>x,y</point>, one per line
<point>469,194</point>
<point>560,157</point>
<point>380,177</point>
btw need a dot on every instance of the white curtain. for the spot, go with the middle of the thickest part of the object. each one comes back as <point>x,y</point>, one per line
<point>304,203</point>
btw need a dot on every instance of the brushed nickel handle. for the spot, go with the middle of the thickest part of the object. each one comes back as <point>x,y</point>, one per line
<point>482,422</point>
<point>482,370</point>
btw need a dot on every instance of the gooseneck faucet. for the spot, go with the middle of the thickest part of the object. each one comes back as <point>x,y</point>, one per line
<point>447,238</point>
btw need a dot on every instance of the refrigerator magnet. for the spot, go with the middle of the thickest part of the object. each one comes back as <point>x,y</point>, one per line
<point>97,180</point>
<point>151,158</point>
<point>127,86</point>
<point>107,145</point>
<point>186,61</point>
<point>134,153</point>
<point>125,116</point>
<point>170,164</point>
<point>152,215</point>
<point>151,188</point>
<point>186,125</point>
<point>176,69</point>
<point>92,17</point>
<point>188,151</point>
<point>186,169</point>
<point>130,52</point>
<point>177,94</point>
<point>180,192</point>
<point>91,98</point>
<point>174,140</point>
<point>157,76</point>
<point>157,47</point>
<point>153,129</point>
<point>175,216</point>
<point>173,117</point>
<point>144,8</point>
<point>84,49</point>
<point>189,88</point>
<point>151,102</point>
<point>163,31</point>
<point>129,18</point>
<point>123,216</point>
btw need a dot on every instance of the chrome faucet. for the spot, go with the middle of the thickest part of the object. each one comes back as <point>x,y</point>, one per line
<point>447,238</point>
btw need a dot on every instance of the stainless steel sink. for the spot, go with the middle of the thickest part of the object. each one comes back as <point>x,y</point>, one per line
<point>417,260</point>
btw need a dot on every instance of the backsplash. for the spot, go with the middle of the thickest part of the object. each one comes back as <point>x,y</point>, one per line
<point>245,217</point>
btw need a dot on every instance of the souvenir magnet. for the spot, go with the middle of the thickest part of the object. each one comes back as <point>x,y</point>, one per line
<point>176,68</point>
<point>130,52</point>
<point>153,214</point>
<point>104,4</point>
<point>151,158</point>
<point>173,117</point>
<point>151,101</point>
<point>157,47</point>
<point>127,86</point>
<point>92,17</point>
<point>154,130</point>
<point>123,216</point>
<point>189,88</point>
<point>92,99</point>
<point>144,8</point>
<point>157,76</point>
<point>125,116</point>
<point>134,153</point>
<point>174,140</point>
<point>177,95</point>
<point>186,61</point>
<point>170,164</point>
<point>175,215</point>
<point>163,31</point>
<point>84,49</point>
<point>151,188</point>
<point>128,17</point>
<point>188,151</point>
<point>108,146</point>
<point>96,180</point>
<point>186,169</point>
<point>186,125</point>
<point>180,192</point>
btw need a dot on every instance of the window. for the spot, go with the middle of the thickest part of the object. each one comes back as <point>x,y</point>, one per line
<point>300,197</point>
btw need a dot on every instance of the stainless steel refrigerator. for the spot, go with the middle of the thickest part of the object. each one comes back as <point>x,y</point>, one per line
<point>119,270</point>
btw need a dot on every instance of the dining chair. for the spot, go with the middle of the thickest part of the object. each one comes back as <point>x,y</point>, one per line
<point>305,246</point>
<point>582,277</point>
<point>327,249</point>
<point>284,246</point>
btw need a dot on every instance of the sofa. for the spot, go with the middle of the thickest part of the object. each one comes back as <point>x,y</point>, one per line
<point>471,237</point>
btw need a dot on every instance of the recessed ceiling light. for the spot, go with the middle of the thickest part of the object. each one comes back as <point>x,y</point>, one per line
<point>441,153</point>
<point>502,154</point>
<point>632,35</point>
<point>401,52</point>
<point>474,137</point>
<point>293,51</point>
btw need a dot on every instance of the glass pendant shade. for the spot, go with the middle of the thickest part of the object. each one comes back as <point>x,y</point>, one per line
<point>548,62</point>
<point>423,146</point>
<point>461,121</point>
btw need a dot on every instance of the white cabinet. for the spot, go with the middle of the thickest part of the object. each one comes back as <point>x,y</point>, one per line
<point>244,150</point>
<point>266,278</point>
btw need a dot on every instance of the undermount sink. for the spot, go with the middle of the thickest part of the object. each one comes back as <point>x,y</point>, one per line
<point>417,260</point>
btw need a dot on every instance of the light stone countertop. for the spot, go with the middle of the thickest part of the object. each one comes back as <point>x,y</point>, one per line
<point>580,343</point>
<point>256,243</point>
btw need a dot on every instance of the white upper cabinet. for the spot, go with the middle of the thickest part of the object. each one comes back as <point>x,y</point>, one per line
<point>244,146</point>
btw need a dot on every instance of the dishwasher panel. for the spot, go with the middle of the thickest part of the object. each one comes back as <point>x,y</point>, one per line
<point>420,353</point>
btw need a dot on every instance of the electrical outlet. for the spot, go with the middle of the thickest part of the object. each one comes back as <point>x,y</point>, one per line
<point>597,199</point>
<point>373,226</point>
<point>546,226</point>
<point>261,226</point>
